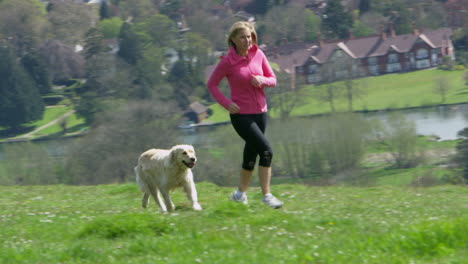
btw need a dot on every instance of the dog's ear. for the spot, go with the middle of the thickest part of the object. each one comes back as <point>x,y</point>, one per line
<point>174,152</point>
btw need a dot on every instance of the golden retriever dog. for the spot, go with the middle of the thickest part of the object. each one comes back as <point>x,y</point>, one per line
<point>159,171</point>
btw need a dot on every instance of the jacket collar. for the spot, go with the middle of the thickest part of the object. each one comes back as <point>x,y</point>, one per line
<point>233,58</point>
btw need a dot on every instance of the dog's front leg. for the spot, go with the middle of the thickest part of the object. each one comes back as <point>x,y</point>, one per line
<point>192,195</point>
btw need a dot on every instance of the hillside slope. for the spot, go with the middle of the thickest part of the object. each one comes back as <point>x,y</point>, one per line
<point>105,224</point>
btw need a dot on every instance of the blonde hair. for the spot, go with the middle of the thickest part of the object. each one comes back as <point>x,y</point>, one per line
<point>238,26</point>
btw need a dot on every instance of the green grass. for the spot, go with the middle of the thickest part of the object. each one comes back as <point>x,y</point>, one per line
<point>392,91</point>
<point>50,114</point>
<point>74,124</point>
<point>104,224</point>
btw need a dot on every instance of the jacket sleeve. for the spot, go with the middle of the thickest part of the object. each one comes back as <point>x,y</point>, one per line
<point>269,77</point>
<point>217,75</point>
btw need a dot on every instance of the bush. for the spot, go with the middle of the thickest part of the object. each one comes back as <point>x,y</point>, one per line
<point>52,99</point>
<point>333,145</point>
<point>28,164</point>
<point>399,135</point>
<point>110,150</point>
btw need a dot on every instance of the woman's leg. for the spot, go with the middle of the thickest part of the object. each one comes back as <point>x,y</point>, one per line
<point>244,179</point>
<point>264,176</point>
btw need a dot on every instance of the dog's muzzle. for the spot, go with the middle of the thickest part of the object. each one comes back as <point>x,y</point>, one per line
<point>189,164</point>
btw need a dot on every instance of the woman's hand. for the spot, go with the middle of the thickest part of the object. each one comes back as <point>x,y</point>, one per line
<point>233,108</point>
<point>256,81</point>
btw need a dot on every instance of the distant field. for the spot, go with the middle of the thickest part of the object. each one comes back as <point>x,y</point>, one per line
<point>105,224</point>
<point>52,113</point>
<point>392,91</point>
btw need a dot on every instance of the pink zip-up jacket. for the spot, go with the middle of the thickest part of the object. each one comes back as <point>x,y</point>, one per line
<point>239,72</point>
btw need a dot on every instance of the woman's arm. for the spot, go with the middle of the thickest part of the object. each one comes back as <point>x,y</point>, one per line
<point>218,74</point>
<point>269,77</point>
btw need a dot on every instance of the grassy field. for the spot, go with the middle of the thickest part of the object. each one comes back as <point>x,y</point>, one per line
<point>74,123</point>
<point>104,224</point>
<point>392,91</point>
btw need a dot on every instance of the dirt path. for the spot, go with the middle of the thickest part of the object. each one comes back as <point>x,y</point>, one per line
<point>51,123</point>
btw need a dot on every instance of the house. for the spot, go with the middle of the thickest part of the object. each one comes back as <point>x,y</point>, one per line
<point>197,112</point>
<point>359,57</point>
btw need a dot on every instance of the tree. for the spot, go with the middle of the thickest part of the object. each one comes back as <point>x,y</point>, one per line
<point>290,23</point>
<point>364,6</point>
<point>160,29</point>
<point>94,43</point>
<point>259,6</point>
<point>284,97</point>
<point>23,23</point>
<point>37,69</point>
<point>442,87</point>
<point>70,20</point>
<point>336,21</point>
<point>352,92</point>
<point>104,10</point>
<point>20,101</point>
<point>373,20</point>
<point>329,91</point>
<point>110,27</point>
<point>149,74</point>
<point>312,25</point>
<point>137,10</point>
<point>130,45</point>
<point>62,62</point>
<point>360,29</point>
<point>401,139</point>
<point>210,28</point>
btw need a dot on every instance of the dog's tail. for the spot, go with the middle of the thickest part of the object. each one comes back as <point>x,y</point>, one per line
<point>141,184</point>
<point>142,187</point>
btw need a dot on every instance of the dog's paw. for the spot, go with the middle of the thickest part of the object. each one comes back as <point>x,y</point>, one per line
<point>197,207</point>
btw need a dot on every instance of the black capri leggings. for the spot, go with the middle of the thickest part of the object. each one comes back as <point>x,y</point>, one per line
<point>251,128</point>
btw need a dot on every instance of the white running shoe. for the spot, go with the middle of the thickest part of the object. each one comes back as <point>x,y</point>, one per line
<point>272,201</point>
<point>241,198</point>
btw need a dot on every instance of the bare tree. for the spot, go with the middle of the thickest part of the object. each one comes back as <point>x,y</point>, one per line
<point>353,91</point>
<point>62,61</point>
<point>71,20</point>
<point>329,91</point>
<point>442,87</point>
<point>22,23</point>
<point>401,139</point>
<point>284,97</point>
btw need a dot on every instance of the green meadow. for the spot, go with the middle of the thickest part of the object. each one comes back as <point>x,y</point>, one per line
<point>105,224</point>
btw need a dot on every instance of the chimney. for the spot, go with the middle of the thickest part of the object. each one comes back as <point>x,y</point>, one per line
<point>319,39</point>
<point>415,30</point>
<point>383,35</point>
<point>350,34</point>
<point>392,30</point>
